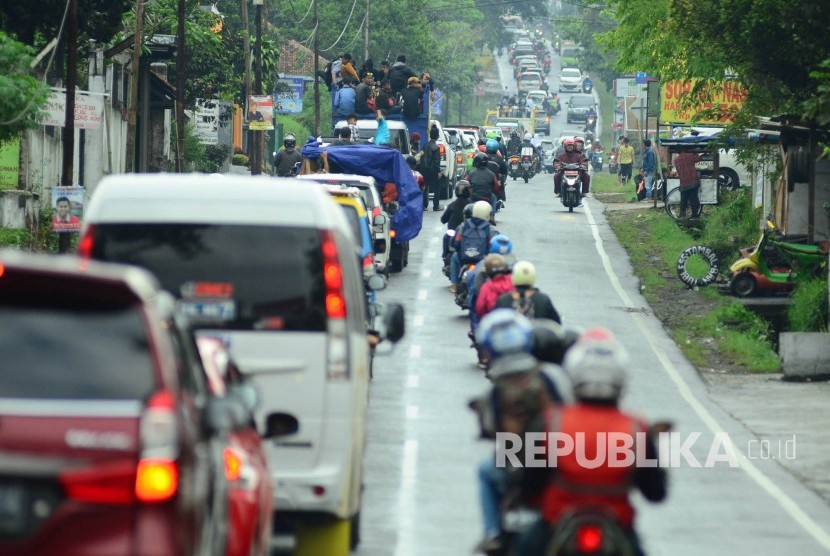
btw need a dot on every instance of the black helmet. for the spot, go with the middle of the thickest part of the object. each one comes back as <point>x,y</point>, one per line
<point>480,160</point>
<point>514,135</point>
<point>551,341</point>
<point>290,141</point>
<point>468,211</point>
<point>411,161</point>
<point>462,188</point>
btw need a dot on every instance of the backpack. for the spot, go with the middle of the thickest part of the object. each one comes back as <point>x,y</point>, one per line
<point>326,75</point>
<point>475,240</point>
<point>335,76</point>
<point>523,304</point>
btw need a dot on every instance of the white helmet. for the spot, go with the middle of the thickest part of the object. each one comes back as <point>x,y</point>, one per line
<point>528,137</point>
<point>597,369</point>
<point>524,274</point>
<point>482,210</point>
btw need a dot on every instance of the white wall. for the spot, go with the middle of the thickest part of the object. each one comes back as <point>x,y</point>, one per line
<point>798,204</point>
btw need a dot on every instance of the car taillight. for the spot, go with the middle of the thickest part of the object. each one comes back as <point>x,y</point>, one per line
<point>233,464</point>
<point>589,539</point>
<point>375,212</point>
<point>337,349</point>
<point>333,277</point>
<point>392,234</point>
<point>443,150</point>
<point>109,483</point>
<point>87,242</point>
<point>157,476</point>
<point>459,158</point>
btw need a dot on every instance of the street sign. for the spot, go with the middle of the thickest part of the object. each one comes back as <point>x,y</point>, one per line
<point>643,78</point>
<point>291,102</point>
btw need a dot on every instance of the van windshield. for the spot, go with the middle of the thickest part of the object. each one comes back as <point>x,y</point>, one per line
<point>74,353</point>
<point>269,277</point>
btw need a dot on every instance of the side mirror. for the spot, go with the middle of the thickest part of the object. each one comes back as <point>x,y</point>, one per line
<point>379,245</point>
<point>247,395</point>
<point>376,282</point>
<point>379,220</point>
<point>280,424</point>
<point>395,323</point>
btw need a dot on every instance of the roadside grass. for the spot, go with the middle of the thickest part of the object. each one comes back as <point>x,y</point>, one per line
<point>14,239</point>
<point>713,321</point>
<point>46,240</point>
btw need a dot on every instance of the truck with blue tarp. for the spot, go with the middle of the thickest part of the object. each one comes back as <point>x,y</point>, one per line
<point>386,165</point>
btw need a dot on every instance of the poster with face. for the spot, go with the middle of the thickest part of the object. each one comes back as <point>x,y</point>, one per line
<point>68,207</point>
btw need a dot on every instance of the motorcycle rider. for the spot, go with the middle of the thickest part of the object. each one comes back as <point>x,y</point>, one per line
<point>523,390</point>
<point>499,166</point>
<point>501,245</point>
<point>591,118</point>
<point>500,282</point>
<point>453,215</point>
<point>570,156</point>
<point>514,145</point>
<point>526,299</point>
<point>597,366</point>
<point>471,240</point>
<point>287,158</point>
<point>484,184</point>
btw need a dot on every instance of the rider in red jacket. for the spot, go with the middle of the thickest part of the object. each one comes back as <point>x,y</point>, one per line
<point>500,282</point>
<point>570,156</point>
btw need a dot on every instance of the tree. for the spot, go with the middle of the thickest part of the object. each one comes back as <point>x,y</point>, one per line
<point>22,95</point>
<point>98,19</point>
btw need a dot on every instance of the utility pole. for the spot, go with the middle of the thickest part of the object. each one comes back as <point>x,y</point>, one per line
<point>246,46</point>
<point>136,63</point>
<point>316,69</point>
<point>180,89</point>
<point>256,164</point>
<point>69,123</point>
<point>366,34</point>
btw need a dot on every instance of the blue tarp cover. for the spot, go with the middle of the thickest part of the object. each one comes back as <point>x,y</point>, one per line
<point>386,164</point>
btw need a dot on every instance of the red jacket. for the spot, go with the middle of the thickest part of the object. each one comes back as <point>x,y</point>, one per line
<point>490,292</point>
<point>575,485</point>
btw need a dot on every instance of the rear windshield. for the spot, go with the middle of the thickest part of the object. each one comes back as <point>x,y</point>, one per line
<point>582,100</point>
<point>570,52</point>
<point>74,354</point>
<point>271,277</point>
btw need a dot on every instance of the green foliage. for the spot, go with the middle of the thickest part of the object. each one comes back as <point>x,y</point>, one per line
<point>15,239</point>
<point>808,312</point>
<point>22,95</point>
<point>292,125</point>
<point>33,22</point>
<point>215,156</point>
<point>817,108</point>
<point>240,160</point>
<point>733,226</point>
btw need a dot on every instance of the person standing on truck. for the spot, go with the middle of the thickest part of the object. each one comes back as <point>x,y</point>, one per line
<point>399,74</point>
<point>344,98</point>
<point>363,94</point>
<point>413,97</point>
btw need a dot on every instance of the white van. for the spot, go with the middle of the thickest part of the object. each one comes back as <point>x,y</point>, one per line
<point>398,133</point>
<point>269,266</point>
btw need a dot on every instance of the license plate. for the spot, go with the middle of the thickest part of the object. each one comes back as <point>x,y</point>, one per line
<point>209,310</point>
<point>12,508</point>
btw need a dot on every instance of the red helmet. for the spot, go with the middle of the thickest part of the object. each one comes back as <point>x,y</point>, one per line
<point>568,143</point>
<point>579,140</point>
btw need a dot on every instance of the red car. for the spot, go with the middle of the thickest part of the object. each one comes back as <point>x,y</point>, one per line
<point>108,433</point>
<point>246,468</point>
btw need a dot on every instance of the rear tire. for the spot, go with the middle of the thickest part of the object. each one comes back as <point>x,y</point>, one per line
<point>570,209</point>
<point>354,534</point>
<point>525,178</point>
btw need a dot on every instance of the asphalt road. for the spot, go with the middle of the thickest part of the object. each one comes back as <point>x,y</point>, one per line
<point>421,491</point>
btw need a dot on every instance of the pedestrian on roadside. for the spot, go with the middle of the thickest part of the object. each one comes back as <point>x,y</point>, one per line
<point>684,165</point>
<point>431,169</point>
<point>649,164</point>
<point>626,160</point>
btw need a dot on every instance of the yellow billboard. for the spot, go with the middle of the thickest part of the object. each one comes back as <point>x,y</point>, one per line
<point>726,99</point>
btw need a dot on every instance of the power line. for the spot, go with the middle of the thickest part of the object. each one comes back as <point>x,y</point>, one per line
<point>311,36</point>
<point>308,11</point>
<point>344,28</point>
<point>348,46</point>
<point>491,5</point>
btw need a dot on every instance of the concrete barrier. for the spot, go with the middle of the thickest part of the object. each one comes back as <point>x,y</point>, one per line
<point>804,354</point>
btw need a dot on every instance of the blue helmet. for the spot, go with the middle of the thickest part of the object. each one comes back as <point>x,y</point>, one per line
<point>501,244</point>
<point>503,332</point>
<point>492,146</point>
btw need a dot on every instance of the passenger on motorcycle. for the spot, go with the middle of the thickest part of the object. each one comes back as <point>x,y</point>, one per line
<point>500,164</point>
<point>523,390</point>
<point>579,147</point>
<point>453,215</point>
<point>471,240</point>
<point>484,184</point>
<point>500,245</point>
<point>526,299</point>
<point>500,281</point>
<point>597,368</point>
<point>514,145</point>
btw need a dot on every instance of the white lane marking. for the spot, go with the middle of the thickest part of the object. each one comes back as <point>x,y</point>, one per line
<point>418,320</point>
<point>422,295</point>
<point>426,273</point>
<point>406,503</point>
<point>783,499</point>
<point>412,412</point>
<point>415,351</point>
<point>412,381</point>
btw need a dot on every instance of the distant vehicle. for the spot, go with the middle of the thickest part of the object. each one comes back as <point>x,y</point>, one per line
<point>578,106</point>
<point>111,442</point>
<point>570,79</point>
<point>530,81</point>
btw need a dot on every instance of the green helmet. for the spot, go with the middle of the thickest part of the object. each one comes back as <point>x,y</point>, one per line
<point>492,135</point>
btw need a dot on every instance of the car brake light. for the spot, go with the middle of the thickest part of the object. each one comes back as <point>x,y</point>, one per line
<point>233,464</point>
<point>86,243</point>
<point>392,234</point>
<point>333,277</point>
<point>157,476</point>
<point>459,158</point>
<point>589,538</point>
<point>443,150</point>
<point>2,269</point>
<point>156,480</point>
<point>109,483</point>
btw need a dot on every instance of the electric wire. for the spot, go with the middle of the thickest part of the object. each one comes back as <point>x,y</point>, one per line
<point>356,35</point>
<point>308,11</point>
<point>343,32</point>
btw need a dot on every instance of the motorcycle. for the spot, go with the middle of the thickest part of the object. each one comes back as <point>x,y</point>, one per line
<point>613,165</point>
<point>777,263</point>
<point>571,185</point>
<point>590,123</point>
<point>461,291</point>
<point>596,161</point>
<point>527,163</point>
<point>513,167</point>
<point>587,86</point>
